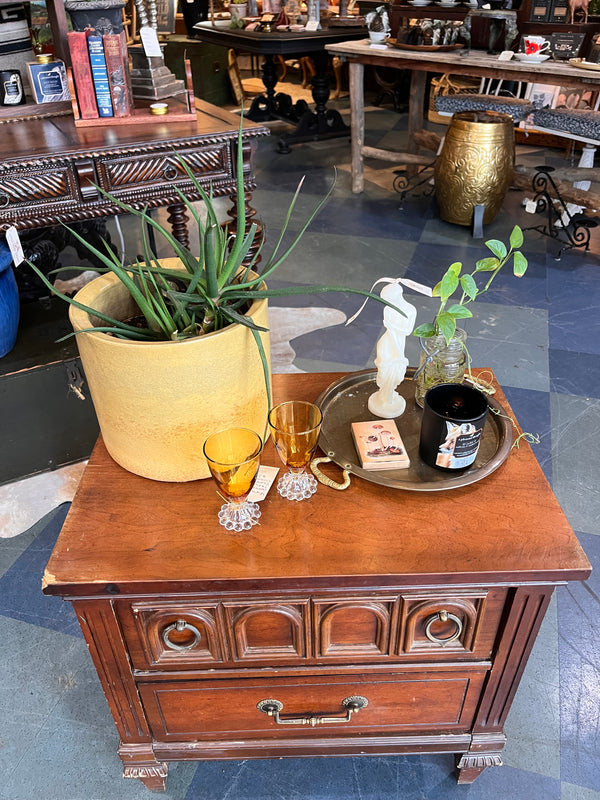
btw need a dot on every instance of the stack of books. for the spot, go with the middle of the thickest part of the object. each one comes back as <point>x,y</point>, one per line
<point>101,74</point>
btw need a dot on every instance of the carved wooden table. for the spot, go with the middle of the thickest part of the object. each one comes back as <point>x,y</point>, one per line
<point>48,167</point>
<point>323,123</point>
<point>365,622</point>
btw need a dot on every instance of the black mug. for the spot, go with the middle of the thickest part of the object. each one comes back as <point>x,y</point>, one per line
<point>453,419</point>
<point>11,88</point>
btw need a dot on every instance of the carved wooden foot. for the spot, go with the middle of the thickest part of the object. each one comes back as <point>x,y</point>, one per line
<point>470,765</point>
<point>153,776</point>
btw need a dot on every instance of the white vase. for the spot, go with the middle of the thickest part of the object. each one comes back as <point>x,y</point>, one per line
<point>238,12</point>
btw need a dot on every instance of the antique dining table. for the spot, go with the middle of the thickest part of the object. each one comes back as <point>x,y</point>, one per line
<point>474,63</point>
<point>323,122</point>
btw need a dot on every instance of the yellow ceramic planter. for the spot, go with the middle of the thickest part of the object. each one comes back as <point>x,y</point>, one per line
<point>157,402</point>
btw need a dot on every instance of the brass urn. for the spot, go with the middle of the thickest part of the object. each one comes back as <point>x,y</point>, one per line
<point>475,166</point>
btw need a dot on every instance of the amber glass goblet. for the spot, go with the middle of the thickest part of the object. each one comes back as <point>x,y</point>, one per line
<point>233,458</point>
<point>295,428</point>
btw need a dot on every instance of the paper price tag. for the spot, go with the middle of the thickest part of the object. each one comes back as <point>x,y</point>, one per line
<point>14,245</point>
<point>312,25</point>
<point>262,484</point>
<point>150,42</point>
<point>530,206</point>
<point>505,55</point>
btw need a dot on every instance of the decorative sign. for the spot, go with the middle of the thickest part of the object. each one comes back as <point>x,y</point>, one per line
<point>165,16</point>
<point>566,45</point>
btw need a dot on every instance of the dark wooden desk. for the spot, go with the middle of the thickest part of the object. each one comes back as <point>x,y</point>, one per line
<point>323,123</point>
<point>48,167</point>
<point>348,593</point>
<point>475,63</point>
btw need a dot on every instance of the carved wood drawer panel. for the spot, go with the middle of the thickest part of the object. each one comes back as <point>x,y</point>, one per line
<point>432,625</point>
<point>31,186</point>
<point>402,701</point>
<point>165,168</point>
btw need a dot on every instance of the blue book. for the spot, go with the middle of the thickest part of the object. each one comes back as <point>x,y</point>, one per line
<point>100,76</point>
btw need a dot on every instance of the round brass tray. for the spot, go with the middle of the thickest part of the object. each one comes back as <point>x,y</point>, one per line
<point>345,401</point>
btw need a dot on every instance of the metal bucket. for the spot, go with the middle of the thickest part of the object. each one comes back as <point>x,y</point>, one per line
<point>475,166</point>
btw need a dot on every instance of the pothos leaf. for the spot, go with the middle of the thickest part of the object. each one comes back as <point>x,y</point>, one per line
<point>486,265</point>
<point>497,247</point>
<point>469,286</point>
<point>516,238</point>
<point>425,330</point>
<point>519,264</point>
<point>446,325</point>
<point>459,312</point>
<point>448,285</point>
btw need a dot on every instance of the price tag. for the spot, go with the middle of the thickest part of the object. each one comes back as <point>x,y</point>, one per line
<point>505,55</point>
<point>150,42</point>
<point>530,206</point>
<point>14,245</point>
<point>312,25</point>
<point>262,484</point>
<point>417,287</point>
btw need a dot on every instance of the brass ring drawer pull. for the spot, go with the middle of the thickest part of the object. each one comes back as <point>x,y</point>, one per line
<point>443,616</point>
<point>352,705</point>
<point>181,625</point>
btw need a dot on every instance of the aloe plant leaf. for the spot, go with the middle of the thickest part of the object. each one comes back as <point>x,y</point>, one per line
<point>243,319</point>
<point>123,326</point>
<point>267,376</point>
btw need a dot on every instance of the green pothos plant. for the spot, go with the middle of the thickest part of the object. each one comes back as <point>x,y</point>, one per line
<point>444,323</point>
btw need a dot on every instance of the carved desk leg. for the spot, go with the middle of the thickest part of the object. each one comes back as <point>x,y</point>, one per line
<point>178,220</point>
<point>470,765</point>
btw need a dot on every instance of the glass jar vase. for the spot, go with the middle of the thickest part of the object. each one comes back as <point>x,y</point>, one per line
<point>440,362</point>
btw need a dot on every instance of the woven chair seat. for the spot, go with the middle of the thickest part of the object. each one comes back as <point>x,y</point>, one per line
<point>516,108</point>
<point>577,121</point>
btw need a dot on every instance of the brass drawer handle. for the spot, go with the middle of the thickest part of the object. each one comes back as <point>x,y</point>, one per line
<point>352,705</point>
<point>443,616</point>
<point>181,625</point>
<point>4,200</point>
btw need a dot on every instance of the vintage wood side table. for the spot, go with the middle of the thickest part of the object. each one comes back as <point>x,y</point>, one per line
<point>365,622</point>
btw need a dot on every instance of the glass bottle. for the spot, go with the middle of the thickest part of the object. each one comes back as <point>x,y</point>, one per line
<point>440,362</point>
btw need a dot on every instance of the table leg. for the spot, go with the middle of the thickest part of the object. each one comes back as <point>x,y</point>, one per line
<point>323,122</point>
<point>415,110</point>
<point>178,220</point>
<point>357,124</point>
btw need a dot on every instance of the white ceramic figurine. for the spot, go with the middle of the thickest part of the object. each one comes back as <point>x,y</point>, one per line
<point>391,362</point>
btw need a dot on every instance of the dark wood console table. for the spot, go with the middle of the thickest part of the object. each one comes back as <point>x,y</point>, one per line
<point>48,167</point>
<point>347,595</point>
<point>323,123</point>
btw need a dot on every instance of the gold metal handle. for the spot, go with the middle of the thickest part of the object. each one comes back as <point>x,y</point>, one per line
<point>352,705</point>
<point>443,616</point>
<point>181,625</point>
<point>322,478</point>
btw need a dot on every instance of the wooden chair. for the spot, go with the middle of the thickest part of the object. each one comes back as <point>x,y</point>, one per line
<point>243,88</point>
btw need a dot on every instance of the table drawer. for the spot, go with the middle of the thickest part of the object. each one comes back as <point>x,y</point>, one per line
<point>29,187</point>
<point>436,625</point>
<point>159,170</point>
<point>398,702</point>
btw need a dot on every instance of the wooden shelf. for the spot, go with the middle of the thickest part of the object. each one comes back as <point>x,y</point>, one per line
<point>33,111</point>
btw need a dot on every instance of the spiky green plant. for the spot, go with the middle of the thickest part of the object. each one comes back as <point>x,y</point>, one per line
<point>213,289</point>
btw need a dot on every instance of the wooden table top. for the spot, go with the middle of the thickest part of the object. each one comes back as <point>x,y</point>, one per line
<point>476,63</point>
<point>275,42</point>
<point>58,136</point>
<point>138,535</point>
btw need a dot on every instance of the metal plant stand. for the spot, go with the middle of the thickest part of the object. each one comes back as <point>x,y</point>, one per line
<point>571,230</point>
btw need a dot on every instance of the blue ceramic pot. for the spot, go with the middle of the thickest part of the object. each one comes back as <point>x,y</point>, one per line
<point>9,302</point>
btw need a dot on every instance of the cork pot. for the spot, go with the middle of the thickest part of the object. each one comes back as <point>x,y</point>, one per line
<point>157,402</point>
